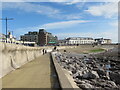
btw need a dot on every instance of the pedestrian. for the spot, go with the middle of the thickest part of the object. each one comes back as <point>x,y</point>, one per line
<point>65,51</point>
<point>43,51</point>
<point>55,48</point>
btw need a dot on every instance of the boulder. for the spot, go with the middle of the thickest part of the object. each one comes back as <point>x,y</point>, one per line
<point>101,72</point>
<point>91,75</point>
<point>111,84</point>
<point>115,77</point>
<point>75,75</point>
<point>86,86</point>
<point>79,81</point>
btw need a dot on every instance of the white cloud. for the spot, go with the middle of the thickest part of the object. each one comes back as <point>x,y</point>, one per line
<point>108,10</point>
<point>59,0</point>
<point>63,24</point>
<point>12,0</point>
<point>74,16</point>
<point>41,9</point>
<point>55,25</point>
<point>75,1</point>
<point>29,7</point>
<point>67,1</point>
<point>114,23</point>
<point>110,34</point>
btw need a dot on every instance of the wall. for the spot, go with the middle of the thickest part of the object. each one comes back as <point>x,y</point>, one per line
<point>13,56</point>
<point>65,80</point>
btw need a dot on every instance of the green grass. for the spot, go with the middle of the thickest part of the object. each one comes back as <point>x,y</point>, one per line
<point>97,50</point>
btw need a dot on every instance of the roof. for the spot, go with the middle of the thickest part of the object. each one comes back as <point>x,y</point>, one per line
<point>2,35</point>
<point>79,38</point>
<point>101,39</point>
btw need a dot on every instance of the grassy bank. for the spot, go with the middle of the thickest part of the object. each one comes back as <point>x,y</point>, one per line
<point>97,50</point>
<point>84,49</point>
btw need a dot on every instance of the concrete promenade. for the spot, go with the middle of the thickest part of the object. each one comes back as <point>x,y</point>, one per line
<point>35,74</point>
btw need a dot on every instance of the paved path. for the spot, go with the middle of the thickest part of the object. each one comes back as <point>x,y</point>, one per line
<point>35,74</point>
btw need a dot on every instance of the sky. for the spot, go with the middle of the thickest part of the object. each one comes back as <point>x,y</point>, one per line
<point>63,19</point>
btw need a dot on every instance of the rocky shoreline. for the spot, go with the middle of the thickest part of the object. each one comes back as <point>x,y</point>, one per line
<point>92,71</point>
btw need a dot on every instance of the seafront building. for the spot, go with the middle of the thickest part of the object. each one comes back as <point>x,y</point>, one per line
<point>79,40</point>
<point>41,38</point>
<point>2,37</point>
<point>63,42</point>
<point>46,38</point>
<point>11,39</point>
<point>84,40</point>
<point>30,36</point>
<point>103,41</point>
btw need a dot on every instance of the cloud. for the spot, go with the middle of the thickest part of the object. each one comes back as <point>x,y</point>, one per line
<point>29,7</point>
<point>63,24</point>
<point>114,24</point>
<point>69,1</point>
<point>41,9</point>
<point>55,25</point>
<point>75,1</point>
<point>12,1</point>
<point>74,16</point>
<point>108,10</point>
<point>107,34</point>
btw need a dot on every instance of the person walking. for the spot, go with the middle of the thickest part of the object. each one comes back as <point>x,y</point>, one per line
<point>43,51</point>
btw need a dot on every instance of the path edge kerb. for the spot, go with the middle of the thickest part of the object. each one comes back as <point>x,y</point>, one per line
<point>64,82</point>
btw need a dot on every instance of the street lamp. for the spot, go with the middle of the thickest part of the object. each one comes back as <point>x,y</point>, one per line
<point>6,19</point>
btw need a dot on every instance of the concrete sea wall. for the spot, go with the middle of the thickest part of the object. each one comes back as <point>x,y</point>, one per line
<point>65,80</point>
<point>13,56</point>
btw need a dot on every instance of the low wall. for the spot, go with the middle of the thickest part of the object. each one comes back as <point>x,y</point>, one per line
<point>66,81</point>
<point>14,56</point>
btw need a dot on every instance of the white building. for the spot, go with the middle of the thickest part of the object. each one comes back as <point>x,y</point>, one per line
<point>2,37</point>
<point>11,39</point>
<point>79,40</point>
<point>103,41</point>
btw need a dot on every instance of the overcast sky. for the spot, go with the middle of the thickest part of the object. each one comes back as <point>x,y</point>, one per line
<point>64,19</point>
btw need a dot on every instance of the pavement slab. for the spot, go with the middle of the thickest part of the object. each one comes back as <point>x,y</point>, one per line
<point>35,74</point>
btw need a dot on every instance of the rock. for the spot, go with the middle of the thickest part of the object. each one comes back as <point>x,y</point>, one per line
<point>80,73</point>
<point>101,72</point>
<point>79,81</point>
<point>91,75</point>
<point>112,64</point>
<point>87,81</point>
<point>105,77</point>
<point>115,77</point>
<point>75,75</point>
<point>86,86</point>
<point>111,84</point>
<point>71,67</point>
<point>74,71</point>
<point>70,72</point>
<point>90,71</point>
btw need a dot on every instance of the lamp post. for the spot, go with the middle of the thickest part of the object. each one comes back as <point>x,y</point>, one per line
<point>6,19</point>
